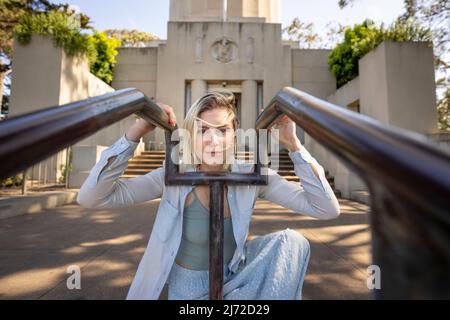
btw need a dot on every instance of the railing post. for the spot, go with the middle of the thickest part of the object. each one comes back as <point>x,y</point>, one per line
<point>24,182</point>
<point>216,200</point>
<point>66,173</point>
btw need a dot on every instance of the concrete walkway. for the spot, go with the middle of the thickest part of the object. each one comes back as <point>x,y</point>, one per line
<point>36,250</point>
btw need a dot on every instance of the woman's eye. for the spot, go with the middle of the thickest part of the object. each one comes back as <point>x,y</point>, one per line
<point>223,131</point>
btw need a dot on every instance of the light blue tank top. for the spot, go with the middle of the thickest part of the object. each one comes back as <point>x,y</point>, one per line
<point>194,248</point>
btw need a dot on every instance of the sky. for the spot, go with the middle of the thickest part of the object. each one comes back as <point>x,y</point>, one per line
<point>152,15</point>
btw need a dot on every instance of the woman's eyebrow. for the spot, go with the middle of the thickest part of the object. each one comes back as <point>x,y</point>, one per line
<point>224,126</point>
<point>211,125</point>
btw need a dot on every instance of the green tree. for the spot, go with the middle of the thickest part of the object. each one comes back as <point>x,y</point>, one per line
<point>444,111</point>
<point>11,12</point>
<point>130,38</point>
<point>105,59</point>
<point>303,32</point>
<point>435,16</point>
<point>67,32</point>
<point>308,38</point>
<point>64,29</point>
<point>363,38</point>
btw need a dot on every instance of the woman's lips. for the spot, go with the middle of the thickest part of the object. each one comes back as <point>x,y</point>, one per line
<point>214,153</point>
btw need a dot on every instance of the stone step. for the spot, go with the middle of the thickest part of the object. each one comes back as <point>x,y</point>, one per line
<point>284,154</point>
<point>162,156</point>
<point>149,156</point>
<point>282,170</point>
<point>153,152</point>
<point>163,152</point>
<point>151,160</point>
<point>148,167</point>
<point>287,174</point>
<point>144,161</point>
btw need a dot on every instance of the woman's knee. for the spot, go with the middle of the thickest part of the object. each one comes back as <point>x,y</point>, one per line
<point>296,237</point>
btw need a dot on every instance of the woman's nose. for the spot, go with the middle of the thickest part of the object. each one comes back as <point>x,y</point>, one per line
<point>214,139</point>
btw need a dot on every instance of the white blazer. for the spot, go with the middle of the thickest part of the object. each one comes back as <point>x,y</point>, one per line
<point>104,189</point>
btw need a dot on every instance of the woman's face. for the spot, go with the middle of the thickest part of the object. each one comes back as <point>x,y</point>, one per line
<point>214,137</point>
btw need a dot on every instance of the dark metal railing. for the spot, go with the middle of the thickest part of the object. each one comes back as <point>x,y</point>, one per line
<point>409,184</point>
<point>216,182</point>
<point>408,179</point>
<point>30,138</point>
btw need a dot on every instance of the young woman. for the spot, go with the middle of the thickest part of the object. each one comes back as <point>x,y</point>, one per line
<point>271,266</point>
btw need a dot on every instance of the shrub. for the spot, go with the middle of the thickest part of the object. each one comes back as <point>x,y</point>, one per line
<point>103,63</point>
<point>64,29</point>
<point>363,38</point>
<point>66,32</point>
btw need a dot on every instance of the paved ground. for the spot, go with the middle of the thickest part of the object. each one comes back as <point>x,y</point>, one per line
<point>32,189</point>
<point>36,250</point>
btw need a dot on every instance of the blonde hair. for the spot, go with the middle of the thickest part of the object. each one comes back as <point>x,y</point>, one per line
<point>209,101</point>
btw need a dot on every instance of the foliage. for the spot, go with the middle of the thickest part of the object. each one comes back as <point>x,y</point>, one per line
<point>103,62</point>
<point>66,32</point>
<point>11,181</point>
<point>5,104</point>
<point>66,169</point>
<point>11,11</point>
<point>301,31</point>
<point>130,38</point>
<point>363,38</point>
<point>63,168</point>
<point>435,16</point>
<point>62,28</point>
<point>308,38</point>
<point>444,111</point>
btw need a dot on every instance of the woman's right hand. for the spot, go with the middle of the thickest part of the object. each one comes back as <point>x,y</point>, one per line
<point>142,127</point>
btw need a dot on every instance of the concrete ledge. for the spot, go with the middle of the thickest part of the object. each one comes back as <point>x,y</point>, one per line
<point>361,196</point>
<point>19,205</point>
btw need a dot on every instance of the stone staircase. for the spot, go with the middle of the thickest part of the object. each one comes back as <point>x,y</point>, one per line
<point>150,160</point>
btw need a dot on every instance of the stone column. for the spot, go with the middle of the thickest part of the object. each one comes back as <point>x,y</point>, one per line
<point>249,104</point>
<point>199,88</point>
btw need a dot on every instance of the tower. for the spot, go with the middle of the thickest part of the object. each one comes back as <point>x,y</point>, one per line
<point>236,10</point>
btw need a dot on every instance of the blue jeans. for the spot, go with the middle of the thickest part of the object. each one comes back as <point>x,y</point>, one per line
<point>274,269</point>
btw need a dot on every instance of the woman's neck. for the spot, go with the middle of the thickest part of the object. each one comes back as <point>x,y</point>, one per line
<point>205,167</point>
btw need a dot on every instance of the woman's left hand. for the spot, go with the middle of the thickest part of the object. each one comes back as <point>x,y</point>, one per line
<point>288,138</point>
<point>287,135</point>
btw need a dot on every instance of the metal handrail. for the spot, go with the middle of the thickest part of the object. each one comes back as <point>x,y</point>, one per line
<point>409,183</point>
<point>32,137</point>
<point>408,179</point>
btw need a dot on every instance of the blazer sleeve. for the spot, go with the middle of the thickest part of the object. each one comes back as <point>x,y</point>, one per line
<point>313,196</point>
<point>104,189</point>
